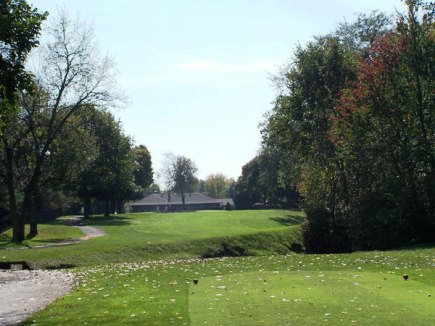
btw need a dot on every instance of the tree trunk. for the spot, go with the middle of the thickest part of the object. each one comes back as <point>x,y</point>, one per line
<point>183,199</point>
<point>87,207</point>
<point>120,206</point>
<point>17,219</point>
<point>106,208</point>
<point>30,211</point>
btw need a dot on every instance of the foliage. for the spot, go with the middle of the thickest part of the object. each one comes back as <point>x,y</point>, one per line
<point>361,34</point>
<point>20,26</point>
<point>178,174</point>
<point>353,125</point>
<point>74,77</point>
<point>260,185</point>
<point>386,121</point>
<point>110,175</point>
<point>143,174</point>
<point>218,186</point>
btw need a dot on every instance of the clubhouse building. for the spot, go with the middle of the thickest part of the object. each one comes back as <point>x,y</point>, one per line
<point>167,202</point>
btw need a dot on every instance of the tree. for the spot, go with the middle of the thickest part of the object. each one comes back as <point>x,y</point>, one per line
<point>165,174</point>
<point>143,174</point>
<point>247,187</point>
<point>20,26</point>
<point>184,176</point>
<point>362,33</point>
<point>353,126</point>
<point>110,175</point>
<point>297,130</point>
<point>178,173</point>
<point>74,77</point>
<point>260,184</point>
<point>384,132</point>
<point>217,185</point>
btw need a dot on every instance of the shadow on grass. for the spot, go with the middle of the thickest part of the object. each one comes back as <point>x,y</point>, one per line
<point>51,240</point>
<point>416,246</point>
<point>116,220</point>
<point>288,220</point>
<point>5,240</point>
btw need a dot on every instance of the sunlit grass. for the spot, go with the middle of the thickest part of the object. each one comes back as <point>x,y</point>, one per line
<point>47,233</point>
<point>360,288</point>
<point>143,273</point>
<point>147,236</point>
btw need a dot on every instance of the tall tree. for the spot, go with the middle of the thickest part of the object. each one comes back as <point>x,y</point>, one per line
<point>297,130</point>
<point>74,77</point>
<point>143,174</point>
<point>384,132</point>
<point>356,120</point>
<point>217,185</point>
<point>184,176</point>
<point>110,175</point>
<point>260,183</point>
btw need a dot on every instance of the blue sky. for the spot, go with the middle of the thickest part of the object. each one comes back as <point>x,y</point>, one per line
<point>197,73</point>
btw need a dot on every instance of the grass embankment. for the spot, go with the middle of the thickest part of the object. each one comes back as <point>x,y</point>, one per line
<point>148,236</point>
<point>48,233</point>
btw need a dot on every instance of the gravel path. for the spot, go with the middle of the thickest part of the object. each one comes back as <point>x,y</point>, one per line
<point>25,292</point>
<point>89,231</point>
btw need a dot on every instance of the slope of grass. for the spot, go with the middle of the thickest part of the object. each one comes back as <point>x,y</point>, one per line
<point>48,233</point>
<point>170,227</point>
<point>147,236</point>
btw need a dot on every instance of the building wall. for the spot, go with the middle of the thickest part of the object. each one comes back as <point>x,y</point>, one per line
<point>174,207</point>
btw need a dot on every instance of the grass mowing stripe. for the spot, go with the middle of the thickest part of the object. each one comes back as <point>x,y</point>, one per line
<point>160,293</point>
<point>281,298</point>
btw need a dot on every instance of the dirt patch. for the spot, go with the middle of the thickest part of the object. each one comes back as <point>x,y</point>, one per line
<point>25,292</point>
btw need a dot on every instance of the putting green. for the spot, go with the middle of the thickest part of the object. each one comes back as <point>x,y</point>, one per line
<point>311,298</point>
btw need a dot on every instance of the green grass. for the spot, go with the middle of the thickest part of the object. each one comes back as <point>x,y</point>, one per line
<point>360,288</point>
<point>147,236</point>
<point>48,233</point>
<point>143,272</point>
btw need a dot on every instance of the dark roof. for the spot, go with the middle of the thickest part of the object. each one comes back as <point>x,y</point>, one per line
<point>162,199</point>
<point>224,201</point>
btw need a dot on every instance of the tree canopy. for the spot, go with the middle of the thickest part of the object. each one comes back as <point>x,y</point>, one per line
<point>20,26</point>
<point>353,127</point>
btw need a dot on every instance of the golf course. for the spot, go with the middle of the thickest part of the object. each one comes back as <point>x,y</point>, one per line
<point>223,268</point>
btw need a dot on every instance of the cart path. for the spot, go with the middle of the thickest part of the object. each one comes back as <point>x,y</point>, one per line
<point>89,232</point>
<point>25,292</point>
